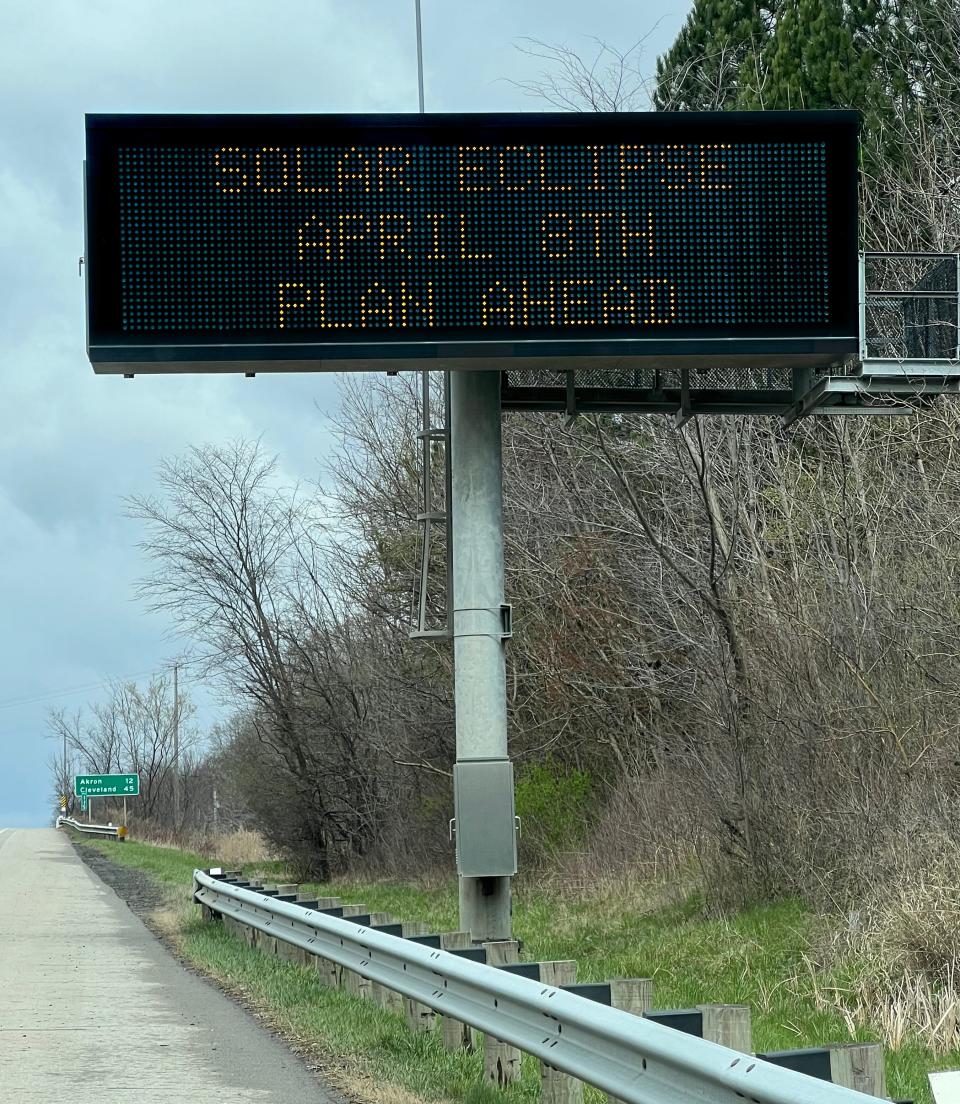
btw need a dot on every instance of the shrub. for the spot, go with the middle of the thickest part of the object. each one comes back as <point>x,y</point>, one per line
<point>555,805</point>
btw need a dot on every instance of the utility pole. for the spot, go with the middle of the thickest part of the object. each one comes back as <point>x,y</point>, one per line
<point>176,748</point>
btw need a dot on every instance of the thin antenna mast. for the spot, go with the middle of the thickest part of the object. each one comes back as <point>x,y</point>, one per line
<point>419,58</point>
<point>429,433</point>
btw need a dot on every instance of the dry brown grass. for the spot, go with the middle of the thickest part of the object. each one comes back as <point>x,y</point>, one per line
<point>168,922</point>
<point>900,953</point>
<point>238,848</point>
<point>903,1010</point>
<point>626,889</point>
<point>242,846</point>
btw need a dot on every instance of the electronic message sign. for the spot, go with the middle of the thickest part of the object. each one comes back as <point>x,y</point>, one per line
<point>311,242</point>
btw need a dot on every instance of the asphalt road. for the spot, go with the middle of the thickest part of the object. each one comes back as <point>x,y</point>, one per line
<point>94,1009</point>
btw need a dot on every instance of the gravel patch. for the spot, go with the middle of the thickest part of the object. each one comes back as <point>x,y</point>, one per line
<point>132,886</point>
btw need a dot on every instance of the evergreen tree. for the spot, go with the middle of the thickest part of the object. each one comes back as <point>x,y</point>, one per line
<point>713,56</point>
<point>822,54</point>
<point>790,54</point>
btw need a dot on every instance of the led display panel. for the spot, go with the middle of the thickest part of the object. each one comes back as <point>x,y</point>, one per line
<point>313,242</point>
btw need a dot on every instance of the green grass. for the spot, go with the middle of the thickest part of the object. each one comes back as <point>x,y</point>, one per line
<point>755,957</point>
<point>166,865</point>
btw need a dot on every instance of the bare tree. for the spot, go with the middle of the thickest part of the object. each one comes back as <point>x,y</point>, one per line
<point>130,730</point>
<point>607,79</point>
<point>223,537</point>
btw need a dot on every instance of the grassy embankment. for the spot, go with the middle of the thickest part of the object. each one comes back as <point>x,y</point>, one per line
<point>757,957</point>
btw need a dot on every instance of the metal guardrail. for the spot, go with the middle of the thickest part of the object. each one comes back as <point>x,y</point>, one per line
<point>110,831</point>
<point>634,1059</point>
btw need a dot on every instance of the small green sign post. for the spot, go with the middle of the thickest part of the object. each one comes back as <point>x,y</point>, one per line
<point>106,785</point>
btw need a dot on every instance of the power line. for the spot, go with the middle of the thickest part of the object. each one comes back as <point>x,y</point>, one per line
<point>66,691</point>
<point>40,697</point>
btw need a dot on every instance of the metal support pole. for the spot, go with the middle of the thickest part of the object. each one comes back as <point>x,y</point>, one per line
<point>176,748</point>
<point>65,792</point>
<point>419,59</point>
<point>477,622</point>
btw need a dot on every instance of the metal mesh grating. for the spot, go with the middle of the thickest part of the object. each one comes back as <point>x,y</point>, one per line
<point>911,306</point>
<point>657,379</point>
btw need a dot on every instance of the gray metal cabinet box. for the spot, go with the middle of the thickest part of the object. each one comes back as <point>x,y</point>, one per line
<point>486,824</point>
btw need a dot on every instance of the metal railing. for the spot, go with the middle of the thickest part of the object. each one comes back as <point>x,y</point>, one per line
<point>110,831</point>
<point>910,311</point>
<point>634,1059</point>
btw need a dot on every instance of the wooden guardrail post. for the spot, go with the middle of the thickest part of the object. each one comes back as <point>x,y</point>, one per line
<point>266,944</point>
<point>501,1062</point>
<point>853,1065</point>
<point>859,1066</point>
<point>289,952</point>
<point>729,1025</point>
<point>382,997</point>
<point>634,995</point>
<point>387,999</point>
<point>455,1033</point>
<point>557,1087</point>
<point>327,971</point>
<point>346,979</point>
<point>356,984</point>
<point>301,955</point>
<point>419,1017</point>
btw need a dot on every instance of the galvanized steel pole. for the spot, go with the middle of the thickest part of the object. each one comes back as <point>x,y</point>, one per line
<point>176,748</point>
<point>419,58</point>
<point>480,692</point>
<point>475,611</point>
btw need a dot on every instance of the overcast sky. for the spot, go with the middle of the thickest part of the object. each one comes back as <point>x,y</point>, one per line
<point>72,444</point>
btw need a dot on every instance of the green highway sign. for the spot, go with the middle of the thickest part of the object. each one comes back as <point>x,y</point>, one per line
<point>106,785</point>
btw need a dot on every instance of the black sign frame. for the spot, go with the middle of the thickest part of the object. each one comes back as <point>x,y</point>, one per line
<point>113,351</point>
